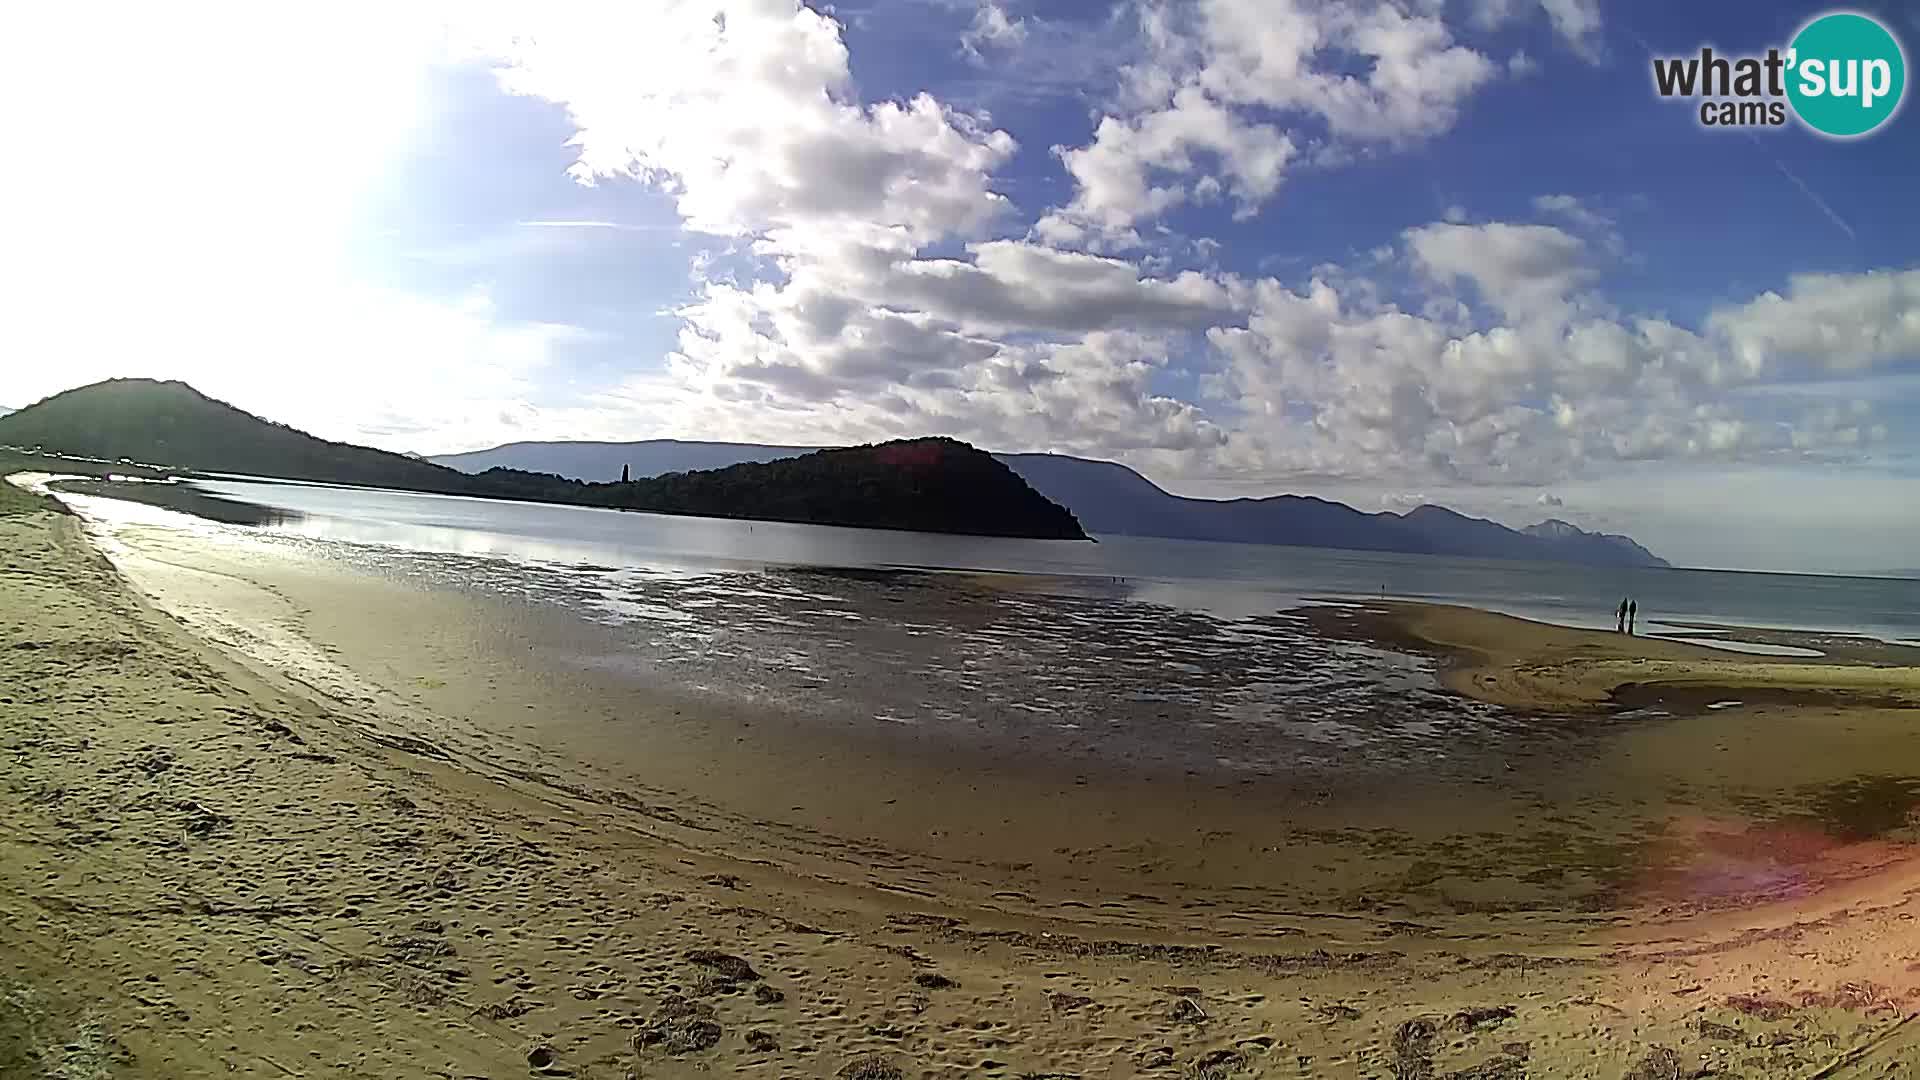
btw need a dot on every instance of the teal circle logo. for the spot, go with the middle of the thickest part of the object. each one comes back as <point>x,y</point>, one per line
<point>1846,74</point>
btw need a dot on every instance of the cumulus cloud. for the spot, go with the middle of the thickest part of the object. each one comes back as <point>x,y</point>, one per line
<point>1526,271</point>
<point>894,294</point>
<point>1585,217</point>
<point>887,376</point>
<point>746,112</point>
<point>861,269</point>
<point>1827,322</point>
<point>1344,385</point>
<point>1137,169</point>
<point>1011,285</point>
<point>1574,210</point>
<point>992,28</point>
<point>1368,71</point>
<point>948,343</point>
<point>1576,22</point>
<point>1197,126</point>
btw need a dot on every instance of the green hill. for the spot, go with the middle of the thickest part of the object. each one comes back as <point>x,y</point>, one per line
<point>928,485</point>
<point>931,485</point>
<point>171,423</point>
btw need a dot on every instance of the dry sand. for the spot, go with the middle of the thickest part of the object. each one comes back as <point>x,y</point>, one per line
<point>208,868</point>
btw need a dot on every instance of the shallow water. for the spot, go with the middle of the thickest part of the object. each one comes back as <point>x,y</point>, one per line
<point>1755,648</point>
<point>985,642</point>
<point>1097,679</point>
<point>1387,792</point>
<point>1230,580</point>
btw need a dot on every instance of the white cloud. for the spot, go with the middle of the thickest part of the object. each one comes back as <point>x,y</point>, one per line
<point>879,282</point>
<point>1020,343</point>
<point>992,28</point>
<point>1577,22</point>
<point>1526,271</point>
<point>1596,224</point>
<point>750,122</point>
<point>1368,71</point>
<point>1137,169</point>
<point>1574,210</point>
<point>893,341</point>
<point>1337,383</point>
<point>749,362</point>
<point>745,112</point>
<point>1205,99</point>
<point>1827,322</point>
<point>1012,286</point>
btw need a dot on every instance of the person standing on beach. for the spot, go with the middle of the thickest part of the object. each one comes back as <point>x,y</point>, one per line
<point>1620,617</point>
<point>1633,613</point>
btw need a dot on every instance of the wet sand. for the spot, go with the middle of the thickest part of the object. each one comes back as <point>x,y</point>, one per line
<point>1510,661</point>
<point>340,857</point>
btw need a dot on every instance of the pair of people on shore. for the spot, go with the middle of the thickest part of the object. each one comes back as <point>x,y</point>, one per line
<point>1624,618</point>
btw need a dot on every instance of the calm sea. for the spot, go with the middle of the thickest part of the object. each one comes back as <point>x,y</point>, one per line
<point>1229,581</point>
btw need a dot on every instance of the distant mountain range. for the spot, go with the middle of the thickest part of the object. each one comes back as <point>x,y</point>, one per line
<point>933,484</point>
<point>1110,498</point>
<point>929,485</point>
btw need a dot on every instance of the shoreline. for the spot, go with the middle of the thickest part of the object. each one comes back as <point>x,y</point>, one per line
<point>1580,835</point>
<point>301,879</point>
<point>1541,596</point>
<point>1521,663</point>
<point>1072,832</point>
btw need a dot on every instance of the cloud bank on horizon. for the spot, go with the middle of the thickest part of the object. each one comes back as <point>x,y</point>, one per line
<point>1384,250</point>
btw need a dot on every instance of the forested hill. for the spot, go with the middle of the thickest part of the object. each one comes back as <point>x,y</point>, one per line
<point>171,423</point>
<point>1109,498</point>
<point>929,485</point>
<point>933,485</point>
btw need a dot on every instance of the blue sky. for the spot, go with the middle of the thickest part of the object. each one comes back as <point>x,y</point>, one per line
<point>1388,251</point>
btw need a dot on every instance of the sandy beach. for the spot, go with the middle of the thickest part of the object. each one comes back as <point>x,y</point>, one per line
<point>263,817</point>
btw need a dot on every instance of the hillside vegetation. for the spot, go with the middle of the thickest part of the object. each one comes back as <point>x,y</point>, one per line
<point>933,485</point>
<point>1109,498</point>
